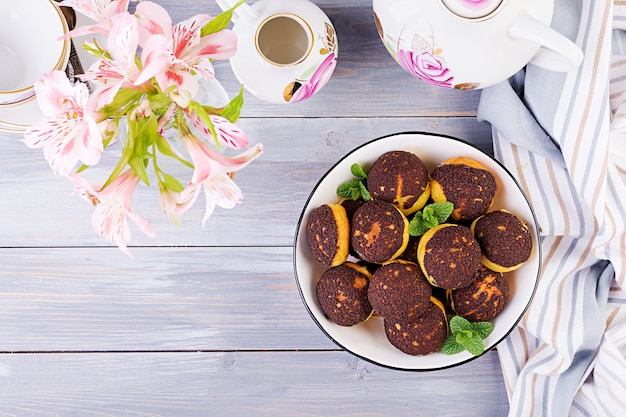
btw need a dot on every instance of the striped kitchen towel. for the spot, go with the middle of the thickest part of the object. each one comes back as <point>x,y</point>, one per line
<point>564,137</point>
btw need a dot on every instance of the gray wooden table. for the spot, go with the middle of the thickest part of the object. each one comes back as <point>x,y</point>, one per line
<point>208,321</point>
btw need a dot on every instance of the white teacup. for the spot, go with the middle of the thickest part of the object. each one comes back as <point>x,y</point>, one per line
<point>286,50</point>
<point>29,46</point>
<point>11,71</point>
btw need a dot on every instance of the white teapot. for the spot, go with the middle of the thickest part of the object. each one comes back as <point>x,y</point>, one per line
<point>471,44</point>
<point>286,50</point>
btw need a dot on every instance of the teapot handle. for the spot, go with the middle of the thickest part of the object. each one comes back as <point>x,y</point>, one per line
<point>557,52</point>
<point>242,10</point>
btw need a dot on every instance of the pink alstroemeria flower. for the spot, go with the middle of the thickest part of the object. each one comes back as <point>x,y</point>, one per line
<point>113,207</point>
<point>188,51</point>
<point>318,80</point>
<point>102,11</point>
<point>228,134</point>
<point>121,70</point>
<point>170,201</point>
<point>212,173</point>
<point>68,133</point>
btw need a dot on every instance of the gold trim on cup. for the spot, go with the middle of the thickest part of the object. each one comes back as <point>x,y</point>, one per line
<point>305,25</point>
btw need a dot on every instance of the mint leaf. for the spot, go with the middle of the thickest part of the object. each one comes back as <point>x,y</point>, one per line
<point>430,217</point>
<point>441,210</point>
<point>482,328</point>
<point>458,324</point>
<point>466,335</point>
<point>355,188</point>
<point>364,193</point>
<point>358,171</point>
<point>474,345</point>
<point>451,346</point>
<point>417,227</point>
<point>430,220</point>
<point>350,189</point>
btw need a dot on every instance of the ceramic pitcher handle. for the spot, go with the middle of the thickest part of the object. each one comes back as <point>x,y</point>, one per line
<point>243,11</point>
<point>557,53</point>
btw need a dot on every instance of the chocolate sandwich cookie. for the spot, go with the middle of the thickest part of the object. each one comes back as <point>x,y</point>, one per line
<point>399,291</point>
<point>422,336</point>
<point>351,207</point>
<point>467,184</point>
<point>399,178</point>
<point>449,256</point>
<point>328,234</point>
<point>342,294</point>
<point>505,240</point>
<point>483,299</point>
<point>379,231</point>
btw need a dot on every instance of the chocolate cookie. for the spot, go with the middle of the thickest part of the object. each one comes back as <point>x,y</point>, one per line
<point>422,336</point>
<point>504,239</point>
<point>465,183</point>
<point>449,256</point>
<point>399,291</point>
<point>379,231</point>
<point>342,294</point>
<point>483,299</point>
<point>328,234</point>
<point>399,178</point>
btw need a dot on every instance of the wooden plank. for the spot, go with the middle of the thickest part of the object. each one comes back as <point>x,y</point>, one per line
<point>39,209</point>
<point>82,299</point>
<point>260,384</point>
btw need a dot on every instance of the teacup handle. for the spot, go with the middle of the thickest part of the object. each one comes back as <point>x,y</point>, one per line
<point>557,52</point>
<point>243,10</point>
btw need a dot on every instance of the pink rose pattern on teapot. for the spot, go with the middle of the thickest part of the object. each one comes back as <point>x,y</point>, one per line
<point>418,54</point>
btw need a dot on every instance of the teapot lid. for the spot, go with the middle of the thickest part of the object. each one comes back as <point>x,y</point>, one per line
<point>472,9</point>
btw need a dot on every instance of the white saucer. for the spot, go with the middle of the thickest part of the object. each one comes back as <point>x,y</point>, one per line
<point>19,118</point>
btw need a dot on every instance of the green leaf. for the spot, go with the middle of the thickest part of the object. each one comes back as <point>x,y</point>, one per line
<point>364,192</point>
<point>474,345</point>
<point>220,21</point>
<point>358,171</point>
<point>468,335</point>
<point>123,98</point>
<point>464,336</point>
<point>441,211</point>
<point>417,226</point>
<point>429,219</point>
<point>172,183</point>
<point>458,324</point>
<point>165,148</point>
<point>233,109</point>
<point>451,346</point>
<point>482,328</point>
<point>349,189</point>
<point>138,165</point>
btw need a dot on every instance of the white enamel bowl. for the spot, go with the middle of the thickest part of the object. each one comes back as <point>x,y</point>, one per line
<point>367,340</point>
<point>29,46</point>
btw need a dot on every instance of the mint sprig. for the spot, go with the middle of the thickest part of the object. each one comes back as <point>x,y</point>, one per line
<point>466,335</point>
<point>355,188</point>
<point>430,217</point>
